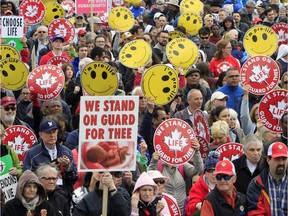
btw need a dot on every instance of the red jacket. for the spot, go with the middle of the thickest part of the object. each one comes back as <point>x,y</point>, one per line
<point>196,194</point>
<point>50,55</point>
<point>258,200</point>
<point>217,66</point>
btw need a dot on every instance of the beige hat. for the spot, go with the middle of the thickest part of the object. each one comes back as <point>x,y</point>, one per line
<point>125,35</point>
<point>173,2</point>
<point>218,95</point>
<point>155,174</point>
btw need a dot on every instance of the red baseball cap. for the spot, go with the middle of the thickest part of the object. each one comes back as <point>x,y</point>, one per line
<point>224,167</point>
<point>277,149</point>
<point>7,100</point>
<point>82,31</point>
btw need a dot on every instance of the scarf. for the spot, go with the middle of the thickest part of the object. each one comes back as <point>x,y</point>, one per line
<point>30,206</point>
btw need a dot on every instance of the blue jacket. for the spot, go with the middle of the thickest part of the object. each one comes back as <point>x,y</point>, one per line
<point>39,155</point>
<point>235,96</point>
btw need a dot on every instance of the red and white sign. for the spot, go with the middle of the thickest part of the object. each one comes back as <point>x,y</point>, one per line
<point>172,139</point>
<point>201,126</point>
<point>68,6</point>
<point>203,146</point>
<point>58,61</point>
<point>281,30</point>
<point>172,204</point>
<point>20,139</point>
<point>62,27</point>
<point>230,151</point>
<point>272,107</point>
<point>99,6</point>
<point>108,133</point>
<point>261,73</point>
<point>32,11</point>
<point>46,81</point>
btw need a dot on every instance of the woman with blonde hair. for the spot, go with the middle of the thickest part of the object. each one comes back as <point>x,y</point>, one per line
<point>223,59</point>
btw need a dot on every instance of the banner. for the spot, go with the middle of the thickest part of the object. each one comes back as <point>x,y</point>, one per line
<point>108,133</point>
<point>8,184</point>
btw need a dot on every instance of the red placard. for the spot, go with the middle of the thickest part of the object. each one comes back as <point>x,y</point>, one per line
<point>271,108</point>
<point>261,73</point>
<point>203,146</point>
<point>172,139</point>
<point>46,81</point>
<point>32,11</point>
<point>172,205</point>
<point>20,139</point>
<point>69,6</point>
<point>230,151</point>
<point>281,30</point>
<point>62,27</point>
<point>201,126</point>
<point>58,61</point>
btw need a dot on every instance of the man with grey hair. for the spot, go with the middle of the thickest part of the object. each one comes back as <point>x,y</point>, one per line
<point>247,166</point>
<point>247,12</point>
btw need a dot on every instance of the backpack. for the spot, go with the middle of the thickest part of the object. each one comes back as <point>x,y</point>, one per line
<point>180,168</point>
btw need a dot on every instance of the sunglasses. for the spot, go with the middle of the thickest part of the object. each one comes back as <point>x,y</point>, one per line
<point>79,17</point>
<point>204,38</point>
<point>224,99</point>
<point>7,108</point>
<point>141,97</point>
<point>42,32</point>
<point>164,118</point>
<point>285,82</point>
<point>210,170</point>
<point>82,35</point>
<point>225,176</point>
<point>161,181</point>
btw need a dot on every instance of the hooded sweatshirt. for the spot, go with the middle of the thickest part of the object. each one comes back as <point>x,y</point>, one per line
<point>17,205</point>
<point>145,209</point>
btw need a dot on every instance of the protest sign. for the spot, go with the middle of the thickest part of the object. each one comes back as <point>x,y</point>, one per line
<point>13,74</point>
<point>195,6</point>
<point>99,6</point>
<point>121,19</point>
<point>99,78</point>
<point>271,108</point>
<point>201,126</point>
<point>230,151</point>
<point>160,82</point>
<point>62,27</point>
<point>281,29</point>
<point>53,11</point>
<point>20,139</point>
<point>108,133</point>
<point>8,51</point>
<point>32,11</point>
<point>58,61</point>
<point>176,34</point>
<point>191,21</point>
<point>69,7</point>
<point>135,54</point>
<point>261,73</point>
<point>46,81</point>
<point>260,40</point>
<point>203,146</point>
<point>8,184</point>
<point>172,139</point>
<point>176,51</point>
<point>172,205</point>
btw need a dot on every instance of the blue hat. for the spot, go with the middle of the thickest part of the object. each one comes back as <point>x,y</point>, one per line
<point>211,160</point>
<point>57,37</point>
<point>47,125</point>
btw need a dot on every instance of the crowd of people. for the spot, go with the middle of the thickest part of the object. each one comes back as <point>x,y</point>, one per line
<point>48,180</point>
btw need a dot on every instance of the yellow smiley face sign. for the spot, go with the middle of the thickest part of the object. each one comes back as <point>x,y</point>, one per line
<point>13,74</point>
<point>7,51</point>
<point>121,18</point>
<point>133,2</point>
<point>135,54</point>
<point>195,6</point>
<point>99,79</point>
<point>182,52</point>
<point>191,21</point>
<point>53,11</point>
<point>260,40</point>
<point>160,82</point>
<point>176,34</point>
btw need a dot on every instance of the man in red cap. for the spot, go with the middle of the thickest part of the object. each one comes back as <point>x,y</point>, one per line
<point>267,194</point>
<point>8,112</point>
<point>224,199</point>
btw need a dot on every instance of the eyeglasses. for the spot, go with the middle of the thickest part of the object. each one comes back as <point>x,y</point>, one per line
<point>233,76</point>
<point>79,17</point>
<point>43,32</point>
<point>164,118</point>
<point>50,178</point>
<point>225,176</point>
<point>82,35</point>
<point>159,181</point>
<point>210,170</point>
<point>204,38</point>
<point>7,108</point>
